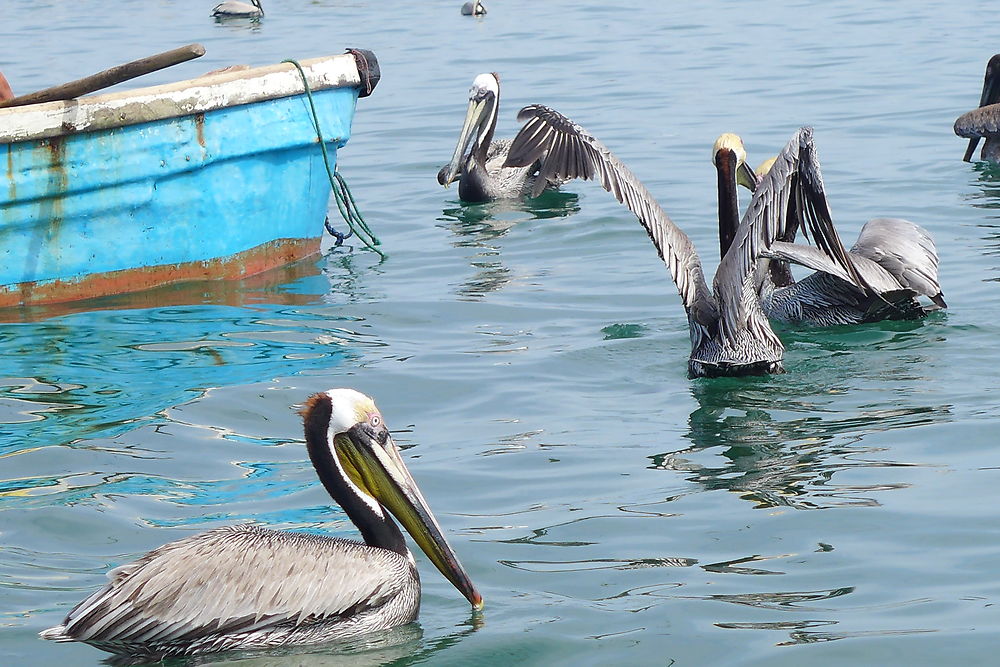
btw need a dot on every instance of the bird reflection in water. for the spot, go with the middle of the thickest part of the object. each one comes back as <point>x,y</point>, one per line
<point>988,197</point>
<point>405,644</point>
<point>478,226</point>
<point>786,461</point>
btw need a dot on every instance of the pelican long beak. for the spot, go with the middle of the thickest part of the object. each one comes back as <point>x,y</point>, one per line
<point>470,130</point>
<point>973,142</point>
<point>372,461</point>
<point>746,177</point>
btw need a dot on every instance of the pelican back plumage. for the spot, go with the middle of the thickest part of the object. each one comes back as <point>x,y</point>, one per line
<point>217,591</point>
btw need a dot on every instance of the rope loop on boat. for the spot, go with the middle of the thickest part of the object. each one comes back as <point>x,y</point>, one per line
<point>345,200</point>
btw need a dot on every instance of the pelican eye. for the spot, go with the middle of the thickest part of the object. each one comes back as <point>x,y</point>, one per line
<point>374,421</point>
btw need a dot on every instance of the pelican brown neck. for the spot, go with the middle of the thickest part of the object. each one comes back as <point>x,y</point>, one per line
<point>726,162</point>
<point>376,526</point>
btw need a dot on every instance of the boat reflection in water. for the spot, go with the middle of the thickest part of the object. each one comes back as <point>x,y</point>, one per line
<point>288,285</point>
<point>99,368</point>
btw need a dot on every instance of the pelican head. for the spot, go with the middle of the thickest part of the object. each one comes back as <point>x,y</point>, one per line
<point>477,131</point>
<point>730,144</point>
<point>360,466</point>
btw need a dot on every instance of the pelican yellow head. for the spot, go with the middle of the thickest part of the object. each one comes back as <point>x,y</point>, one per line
<point>731,142</point>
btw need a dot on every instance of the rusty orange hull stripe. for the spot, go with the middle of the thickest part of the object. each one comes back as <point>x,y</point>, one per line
<point>262,258</point>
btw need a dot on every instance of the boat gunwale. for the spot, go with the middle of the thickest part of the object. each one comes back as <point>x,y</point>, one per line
<point>178,99</point>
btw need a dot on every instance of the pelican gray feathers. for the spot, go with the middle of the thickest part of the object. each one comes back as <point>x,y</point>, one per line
<point>251,587</point>
<point>236,9</point>
<point>984,122</point>
<point>893,262</point>
<point>479,160</point>
<point>730,334</point>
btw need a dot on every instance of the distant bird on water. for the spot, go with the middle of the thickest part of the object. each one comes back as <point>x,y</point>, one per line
<point>247,587</point>
<point>478,161</point>
<point>984,122</point>
<point>473,8</point>
<point>235,9</point>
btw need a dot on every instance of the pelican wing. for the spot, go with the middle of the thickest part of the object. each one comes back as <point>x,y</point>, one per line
<point>808,256</point>
<point>566,151</point>
<point>904,249</point>
<point>235,579</point>
<point>979,122</point>
<point>791,196</point>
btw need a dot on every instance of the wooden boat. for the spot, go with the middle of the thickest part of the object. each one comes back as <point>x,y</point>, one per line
<point>216,177</point>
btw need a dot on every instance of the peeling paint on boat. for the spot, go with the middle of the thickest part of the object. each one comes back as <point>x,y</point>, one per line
<point>220,175</point>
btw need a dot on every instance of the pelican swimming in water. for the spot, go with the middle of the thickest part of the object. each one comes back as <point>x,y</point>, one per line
<point>730,333</point>
<point>473,8</point>
<point>479,160</point>
<point>245,587</point>
<point>893,262</point>
<point>236,9</point>
<point>984,122</point>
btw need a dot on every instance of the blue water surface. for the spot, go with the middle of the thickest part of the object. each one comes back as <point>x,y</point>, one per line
<point>531,357</point>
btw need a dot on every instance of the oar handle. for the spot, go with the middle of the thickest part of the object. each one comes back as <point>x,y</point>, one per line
<point>109,77</point>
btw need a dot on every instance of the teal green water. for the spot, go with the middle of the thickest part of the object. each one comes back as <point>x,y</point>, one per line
<point>532,358</point>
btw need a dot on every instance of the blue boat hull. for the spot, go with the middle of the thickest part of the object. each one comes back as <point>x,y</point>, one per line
<point>222,193</point>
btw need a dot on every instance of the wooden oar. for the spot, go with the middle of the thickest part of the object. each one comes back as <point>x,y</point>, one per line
<point>109,77</point>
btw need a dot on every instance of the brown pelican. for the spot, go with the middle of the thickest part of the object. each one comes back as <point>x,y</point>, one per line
<point>479,159</point>
<point>236,9</point>
<point>892,263</point>
<point>730,334</point>
<point>473,8</point>
<point>984,122</point>
<point>251,587</point>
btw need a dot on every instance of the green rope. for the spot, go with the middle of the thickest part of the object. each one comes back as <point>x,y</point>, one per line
<point>341,193</point>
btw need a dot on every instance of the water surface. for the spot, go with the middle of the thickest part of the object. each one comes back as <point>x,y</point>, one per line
<point>532,357</point>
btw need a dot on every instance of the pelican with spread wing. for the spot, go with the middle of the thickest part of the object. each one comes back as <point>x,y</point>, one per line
<point>248,587</point>
<point>479,161</point>
<point>892,264</point>
<point>730,332</point>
